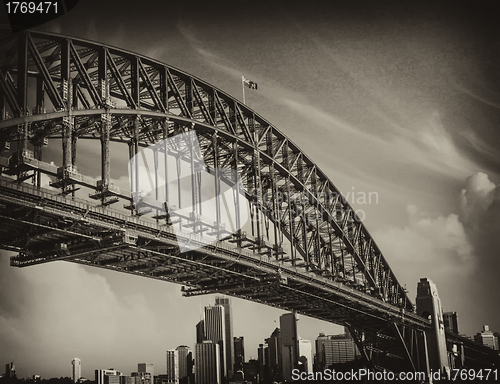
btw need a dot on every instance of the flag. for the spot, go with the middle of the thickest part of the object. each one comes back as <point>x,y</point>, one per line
<point>248,83</point>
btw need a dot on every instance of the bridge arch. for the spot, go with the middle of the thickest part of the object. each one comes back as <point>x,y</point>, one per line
<point>140,93</point>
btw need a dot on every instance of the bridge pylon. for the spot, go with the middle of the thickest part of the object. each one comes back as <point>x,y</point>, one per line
<point>429,307</point>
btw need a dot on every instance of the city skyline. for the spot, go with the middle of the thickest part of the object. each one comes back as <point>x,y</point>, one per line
<point>397,100</point>
<point>329,349</point>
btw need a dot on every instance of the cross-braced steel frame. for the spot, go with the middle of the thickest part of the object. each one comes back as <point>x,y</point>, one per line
<point>308,251</point>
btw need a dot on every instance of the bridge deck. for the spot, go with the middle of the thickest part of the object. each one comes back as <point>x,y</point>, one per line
<point>44,227</point>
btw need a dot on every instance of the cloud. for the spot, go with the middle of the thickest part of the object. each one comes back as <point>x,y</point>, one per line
<point>477,199</point>
<point>57,311</point>
<point>480,213</point>
<point>488,97</point>
<point>480,145</point>
<point>430,147</point>
<point>440,242</point>
<point>420,139</point>
<point>459,252</point>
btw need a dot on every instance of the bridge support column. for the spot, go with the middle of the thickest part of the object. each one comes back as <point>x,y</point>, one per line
<point>257,191</point>
<point>67,99</point>
<point>156,182</point>
<point>237,194</point>
<point>165,164</point>
<point>291,221</point>
<point>39,109</point>
<point>133,151</point>
<point>105,158</point>
<point>178,165</point>
<point>217,182</point>
<point>68,121</point>
<point>22,74</point>
<point>195,191</point>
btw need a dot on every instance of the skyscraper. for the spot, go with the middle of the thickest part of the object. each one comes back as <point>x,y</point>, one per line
<point>228,320</point>
<point>487,338</point>
<point>450,320</point>
<point>179,365</point>
<point>289,344</point>
<point>200,332</point>
<point>207,363</point>
<point>77,369</point>
<point>340,349</point>
<point>145,373</point>
<point>146,368</point>
<point>215,331</point>
<point>239,353</point>
<point>305,355</point>
<point>263,358</point>
<point>275,361</point>
<point>320,352</point>
<point>172,366</point>
<point>107,376</point>
<point>10,370</point>
<point>184,354</point>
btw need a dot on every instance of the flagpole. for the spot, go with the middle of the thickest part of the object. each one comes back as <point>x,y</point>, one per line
<point>243,88</point>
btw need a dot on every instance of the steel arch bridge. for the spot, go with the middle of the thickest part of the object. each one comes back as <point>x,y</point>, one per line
<point>307,252</point>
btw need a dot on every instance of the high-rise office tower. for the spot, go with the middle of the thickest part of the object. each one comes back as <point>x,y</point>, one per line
<point>184,354</point>
<point>200,332</point>
<point>145,373</point>
<point>107,376</point>
<point>275,363</point>
<point>179,365</point>
<point>76,369</point>
<point>172,366</point>
<point>289,344</point>
<point>215,331</point>
<point>239,353</point>
<point>339,349</point>
<point>305,355</point>
<point>335,349</point>
<point>263,358</point>
<point>190,368</point>
<point>146,368</point>
<point>10,370</point>
<point>207,363</point>
<point>450,320</point>
<point>228,320</point>
<point>320,352</point>
<point>487,338</point>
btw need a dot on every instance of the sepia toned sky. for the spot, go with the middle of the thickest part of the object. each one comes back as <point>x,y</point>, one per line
<point>401,99</point>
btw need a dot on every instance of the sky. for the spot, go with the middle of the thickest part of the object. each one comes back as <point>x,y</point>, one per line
<point>397,98</point>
